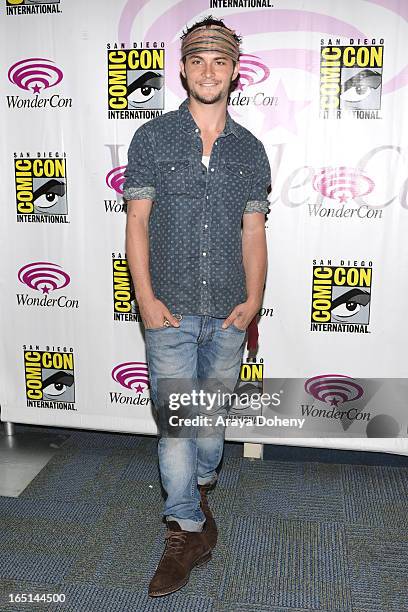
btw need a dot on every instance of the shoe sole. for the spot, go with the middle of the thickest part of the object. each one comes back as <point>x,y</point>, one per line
<point>200,561</point>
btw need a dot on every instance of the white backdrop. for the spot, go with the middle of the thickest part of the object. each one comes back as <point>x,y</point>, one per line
<point>323,84</point>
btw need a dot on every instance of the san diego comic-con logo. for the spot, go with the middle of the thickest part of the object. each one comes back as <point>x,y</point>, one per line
<point>341,296</point>
<point>135,81</point>
<point>342,186</point>
<point>41,188</point>
<point>32,7</point>
<point>35,75</point>
<point>250,382</point>
<point>125,307</point>
<point>44,277</point>
<point>351,78</point>
<point>133,376</point>
<point>49,377</point>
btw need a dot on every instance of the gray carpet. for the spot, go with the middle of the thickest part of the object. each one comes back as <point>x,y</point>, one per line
<point>294,536</point>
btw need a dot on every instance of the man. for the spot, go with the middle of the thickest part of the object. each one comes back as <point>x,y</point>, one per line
<point>196,191</point>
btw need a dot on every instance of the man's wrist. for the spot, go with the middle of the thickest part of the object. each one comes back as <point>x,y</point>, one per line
<point>254,302</point>
<point>145,298</point>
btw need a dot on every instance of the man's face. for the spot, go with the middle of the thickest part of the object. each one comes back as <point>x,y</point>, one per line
<point>209,75</point>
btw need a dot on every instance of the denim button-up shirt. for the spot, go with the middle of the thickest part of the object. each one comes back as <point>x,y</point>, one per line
<point>195,244</point>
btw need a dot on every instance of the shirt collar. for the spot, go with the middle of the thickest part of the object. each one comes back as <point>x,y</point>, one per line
<point>188,124</point>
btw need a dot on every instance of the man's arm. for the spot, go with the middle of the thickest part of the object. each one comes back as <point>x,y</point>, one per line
<point>254,257</point>
<point>254,251</point>
<point>139,193</point>
<point>152,310</point>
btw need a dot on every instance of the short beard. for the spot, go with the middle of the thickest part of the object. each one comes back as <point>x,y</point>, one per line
<point>213,100</point>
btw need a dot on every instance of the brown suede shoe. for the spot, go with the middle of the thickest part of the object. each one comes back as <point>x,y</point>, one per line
<point>210,528</point>
<point>184,550</point>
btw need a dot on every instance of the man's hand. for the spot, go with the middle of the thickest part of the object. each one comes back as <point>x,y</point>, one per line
<point>242,315</point>
<point>153,313</point>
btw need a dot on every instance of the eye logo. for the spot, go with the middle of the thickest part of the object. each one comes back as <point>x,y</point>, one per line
<point>115,179</point>
<point>251,71</point>
<point>132,375</point>
<point>35,74</point>
<point>342,183</point>
<point>43,276</point>
<point>333,389</point>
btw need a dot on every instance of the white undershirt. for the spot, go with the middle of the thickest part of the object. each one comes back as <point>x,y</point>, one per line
<point>206,160</point>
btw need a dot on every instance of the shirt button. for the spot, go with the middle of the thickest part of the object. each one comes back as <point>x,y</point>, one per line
<point>173,168</point>
<point>212,169</point>
<point>208,197</point>
<point>204,253</point>
<point>204,282</point>
<point>196,130</point>
<point>206,226</point>
<point>216,143</point>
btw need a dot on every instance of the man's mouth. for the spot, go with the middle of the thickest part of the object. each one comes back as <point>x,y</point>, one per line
<point>208,84</point>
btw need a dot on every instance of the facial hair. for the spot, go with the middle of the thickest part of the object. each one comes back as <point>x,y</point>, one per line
<point>219,96</point>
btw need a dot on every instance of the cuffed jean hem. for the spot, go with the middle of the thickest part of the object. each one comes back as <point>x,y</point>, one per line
<point>187,524</point>
<point>207,481</point>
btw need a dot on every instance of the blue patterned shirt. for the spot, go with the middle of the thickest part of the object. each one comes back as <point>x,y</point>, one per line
<point>195,242</point>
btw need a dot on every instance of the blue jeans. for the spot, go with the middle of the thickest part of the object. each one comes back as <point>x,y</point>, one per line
<point>198,349</point>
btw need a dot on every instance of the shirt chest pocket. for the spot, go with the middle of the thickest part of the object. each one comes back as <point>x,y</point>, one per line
<point>238,171</point>
<point>239,177</point>
<point>174,177</point>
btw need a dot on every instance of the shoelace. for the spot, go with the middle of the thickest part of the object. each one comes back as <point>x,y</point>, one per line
<point>175,542</point>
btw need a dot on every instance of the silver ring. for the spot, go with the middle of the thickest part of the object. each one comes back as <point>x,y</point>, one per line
<point>166,323</point>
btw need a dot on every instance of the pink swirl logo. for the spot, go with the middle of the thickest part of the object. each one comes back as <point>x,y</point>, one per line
<point>132,375</point>
<point>333,389</point>
<point>43,276</point>
<point>115,179</point>
<point>251,71</point>
<point>35,74</point>
<point>342,183</point>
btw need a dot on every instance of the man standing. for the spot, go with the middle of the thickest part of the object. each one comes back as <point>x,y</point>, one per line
<point>196,190</point>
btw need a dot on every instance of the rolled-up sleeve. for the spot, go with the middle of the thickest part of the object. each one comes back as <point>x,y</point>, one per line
<point>140,172</point>
<point>258,199</point>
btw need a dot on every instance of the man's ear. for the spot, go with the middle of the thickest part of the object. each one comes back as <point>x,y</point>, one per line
<point>182,68</point>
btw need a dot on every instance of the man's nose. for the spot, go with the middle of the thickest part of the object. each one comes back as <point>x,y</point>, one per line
<point>208,69</point>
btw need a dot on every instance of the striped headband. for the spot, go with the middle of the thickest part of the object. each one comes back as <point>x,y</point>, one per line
<point>211,38</point>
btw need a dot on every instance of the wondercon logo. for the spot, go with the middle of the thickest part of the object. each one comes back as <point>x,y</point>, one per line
<point>342,183</point>
<point>43,276</point>
<point>251,72</point>
<point>333,389</point>
<point>116,178</point>
<point>132,375</point>
<point>35,74</point>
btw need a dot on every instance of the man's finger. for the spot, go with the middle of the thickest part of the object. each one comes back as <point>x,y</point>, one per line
<point>172,320</point>
<point>227,323</point>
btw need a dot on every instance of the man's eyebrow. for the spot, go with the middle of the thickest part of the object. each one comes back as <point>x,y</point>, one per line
<point>223,57</point>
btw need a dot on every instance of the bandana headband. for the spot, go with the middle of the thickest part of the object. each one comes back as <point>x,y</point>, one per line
<point>211,38</point>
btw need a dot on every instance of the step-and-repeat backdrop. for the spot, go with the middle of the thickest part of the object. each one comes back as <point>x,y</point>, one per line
<point>323,84</point>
